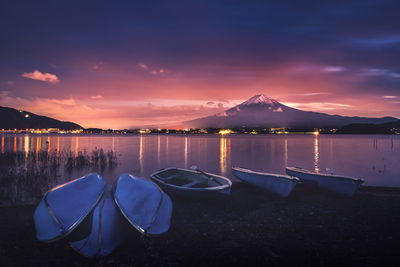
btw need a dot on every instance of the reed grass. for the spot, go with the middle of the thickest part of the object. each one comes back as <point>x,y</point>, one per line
<point>26,176</point>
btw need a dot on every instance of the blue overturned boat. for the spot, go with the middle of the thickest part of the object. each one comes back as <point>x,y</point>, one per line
<point>143,204</point>
<point>107,228</point>
<point>343,185</point>
<point>64,207</point>
<point>281,185</point>
<point>192,183</point>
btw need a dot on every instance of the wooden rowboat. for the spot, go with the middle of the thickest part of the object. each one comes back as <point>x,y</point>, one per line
<point>343,185</point>
<point>143,204</point>
<point>64,207</point>
<point>282,185</point>
<point>107,228</point>
<point>192,183</point>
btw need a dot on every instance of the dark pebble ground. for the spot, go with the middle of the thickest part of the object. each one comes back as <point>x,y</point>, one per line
<point>250,228</point>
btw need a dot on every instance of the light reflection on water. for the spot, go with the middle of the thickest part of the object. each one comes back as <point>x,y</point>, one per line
<point>158,149</point>
<point>222,152</point>
<point>376,158</point>
<point>316,154</point>
<point>286,152</point>
<point>58,145</point>
<point>186,152</point>
<point>225,146</point>
<point>15,143</point>
<point>141,149</point>
<point>76,145</point>
<point>26,145</point>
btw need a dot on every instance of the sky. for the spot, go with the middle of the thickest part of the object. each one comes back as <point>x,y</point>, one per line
<point>130,64</point>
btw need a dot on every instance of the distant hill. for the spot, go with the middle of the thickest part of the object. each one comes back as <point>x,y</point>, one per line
<point>11,118</point>
<point>364,128</point>
<point>262,111</point>
<point>391,125</point>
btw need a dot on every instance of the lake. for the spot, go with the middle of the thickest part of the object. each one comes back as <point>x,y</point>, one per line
<point>376,158</point>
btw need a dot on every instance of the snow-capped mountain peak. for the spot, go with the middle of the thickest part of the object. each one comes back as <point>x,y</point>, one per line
<point>259,99</point>
<point>262,111</point>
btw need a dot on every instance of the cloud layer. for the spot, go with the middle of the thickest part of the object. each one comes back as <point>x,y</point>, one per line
<point>44,77</point>
<point>341,57</point>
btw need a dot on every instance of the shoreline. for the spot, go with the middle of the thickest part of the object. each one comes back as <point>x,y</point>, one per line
<point>311,227</point>
<point>200,134</point>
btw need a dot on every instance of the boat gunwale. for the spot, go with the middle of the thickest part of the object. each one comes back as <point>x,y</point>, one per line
<point>132,222</point>
<point>153,176</point>
<point>67,231</point>
<point>325,175</point>
<point>275,175</point>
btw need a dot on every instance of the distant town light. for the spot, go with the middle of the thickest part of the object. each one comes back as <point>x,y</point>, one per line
<point>144,131</point>
<point>26,115</point>
<point>316,133</point>
<point>225,131</point>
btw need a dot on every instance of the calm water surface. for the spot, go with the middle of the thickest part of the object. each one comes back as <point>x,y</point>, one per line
<point>376,158</point>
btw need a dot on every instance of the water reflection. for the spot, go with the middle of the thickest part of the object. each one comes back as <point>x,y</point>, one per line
<point>48,144</point>
<point>316,154</point>
<point>186,152</point>
<point>166,149</point>
<point>15,143</point>
<point>265,153</point>
<point>20,143</point>
<point>392,145</point>
<point>26,145</point>
<point>58,145</point>
<point>224,151</point>
<point>76,145</point>
<point>330,152</point>
<point>375,144</point>
<point>158,150</point>
<point>141,151</point>
<point>38,145</point>
<point>286,153</point>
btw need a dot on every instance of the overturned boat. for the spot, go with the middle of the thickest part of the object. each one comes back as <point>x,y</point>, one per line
<point>64,207</point>
<point>281,185</point>
<point>343,185</point>
<point>106,229</point>
<point>192,183</point>
<point>143,204</point>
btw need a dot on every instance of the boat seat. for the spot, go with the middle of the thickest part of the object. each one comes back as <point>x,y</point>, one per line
<point>192,183</point>
<point>170,177</point>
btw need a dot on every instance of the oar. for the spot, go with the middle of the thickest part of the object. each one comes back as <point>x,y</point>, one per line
<point>195,168</point>
<point>329,171</point>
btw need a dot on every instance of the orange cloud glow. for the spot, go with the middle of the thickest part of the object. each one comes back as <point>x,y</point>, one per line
<point>143,66</point>
<point>44,77</point>
<point>122,94</point>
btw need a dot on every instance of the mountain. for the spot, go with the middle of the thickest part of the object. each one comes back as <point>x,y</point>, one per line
<point>392,125</point>
<point>17,119</point>
<point>262,111</point>
<point>365,128</point>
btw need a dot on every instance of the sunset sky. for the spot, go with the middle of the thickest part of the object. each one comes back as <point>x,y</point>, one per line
<point>127,64</point>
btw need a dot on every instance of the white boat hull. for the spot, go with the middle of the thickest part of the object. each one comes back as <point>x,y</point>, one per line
<point>146,207</point>
<point>346,186</point>
<point>220,187</point>
<point>281,185</point>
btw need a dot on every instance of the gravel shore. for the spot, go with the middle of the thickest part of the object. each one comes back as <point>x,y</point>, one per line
<point>251,227</point>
